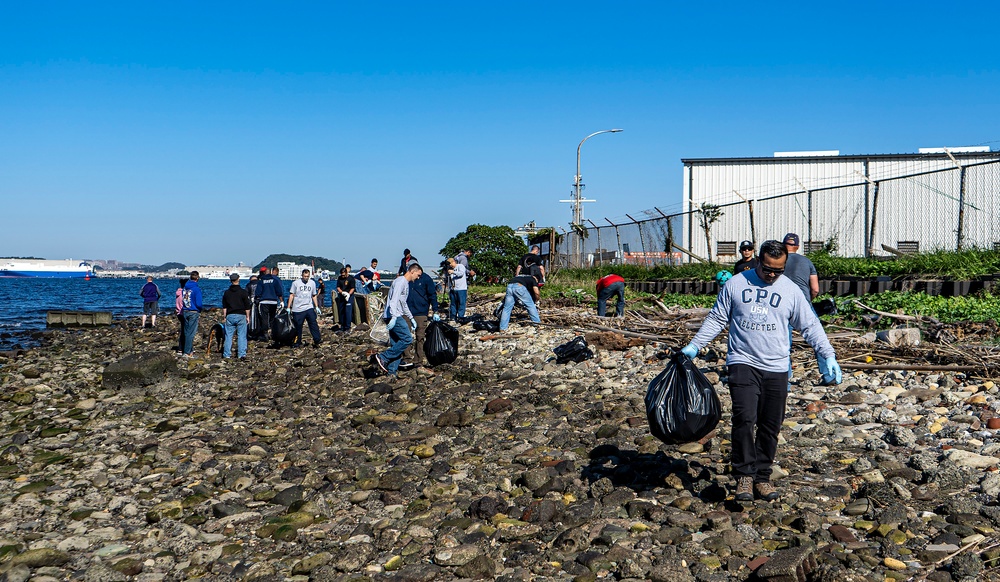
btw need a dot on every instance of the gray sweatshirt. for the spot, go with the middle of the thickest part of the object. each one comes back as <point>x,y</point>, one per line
<point>758,316</point>
<point>396,306</point>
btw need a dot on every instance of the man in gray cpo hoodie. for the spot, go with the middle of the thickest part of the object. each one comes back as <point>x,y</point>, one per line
<point>758,306</point>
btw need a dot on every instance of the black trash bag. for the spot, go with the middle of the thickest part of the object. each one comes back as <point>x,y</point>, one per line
<point>469,319</point>
<point>440,343</point>
<point>573,351</point>
<point>825,307</point>
<point>484,325</point>
<point>681,404</point>
<point>283,329</point>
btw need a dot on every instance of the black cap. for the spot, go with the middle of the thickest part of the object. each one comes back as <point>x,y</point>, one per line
<point>746,245</point>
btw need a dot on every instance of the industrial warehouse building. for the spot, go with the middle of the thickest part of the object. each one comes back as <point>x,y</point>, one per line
<point>939,198</point>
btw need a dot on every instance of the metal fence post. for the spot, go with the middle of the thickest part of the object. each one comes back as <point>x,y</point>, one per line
<point>871,241</point>
<point>961,209</point>
<point>642,240</point>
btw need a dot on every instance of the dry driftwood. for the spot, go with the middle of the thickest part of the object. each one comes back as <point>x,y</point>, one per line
<point>899,316</point>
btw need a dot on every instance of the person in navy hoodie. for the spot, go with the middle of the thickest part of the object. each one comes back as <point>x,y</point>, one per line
<point>268,295</point>
<point>191,311</point>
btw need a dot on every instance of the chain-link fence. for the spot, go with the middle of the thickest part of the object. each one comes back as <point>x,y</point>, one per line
<point>948,209</point>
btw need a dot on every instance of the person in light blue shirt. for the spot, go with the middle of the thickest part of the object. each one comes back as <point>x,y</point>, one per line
<point>758,306</point>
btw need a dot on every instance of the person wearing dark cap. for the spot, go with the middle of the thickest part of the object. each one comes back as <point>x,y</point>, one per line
<point>748,262</point>
<point>800,269</point>
<point>236,313</point>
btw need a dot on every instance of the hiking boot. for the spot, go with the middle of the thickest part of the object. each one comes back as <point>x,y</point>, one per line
<point>744,489</point>
<point>766,491</point>
<point>407,366</point>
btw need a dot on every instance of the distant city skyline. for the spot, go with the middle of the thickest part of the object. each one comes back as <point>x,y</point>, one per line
<point>216,131</point>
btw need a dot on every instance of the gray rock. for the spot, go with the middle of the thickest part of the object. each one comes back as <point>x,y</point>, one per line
<point>138,370</point>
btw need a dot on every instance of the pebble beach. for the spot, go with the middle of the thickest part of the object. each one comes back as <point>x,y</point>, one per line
<point>119,461</point>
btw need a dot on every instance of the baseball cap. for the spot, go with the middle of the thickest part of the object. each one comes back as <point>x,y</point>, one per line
<point>263,269</point>
<point>234,277</point>
<point>746,245</point>
<point>791,239</point>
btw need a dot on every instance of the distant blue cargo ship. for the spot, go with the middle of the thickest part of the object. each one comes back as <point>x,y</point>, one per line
<point>67,269</point>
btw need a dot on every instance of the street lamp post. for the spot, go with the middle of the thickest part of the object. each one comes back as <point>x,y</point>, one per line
<point>577,194</point>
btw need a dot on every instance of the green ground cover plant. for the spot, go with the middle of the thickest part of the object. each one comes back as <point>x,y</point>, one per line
<point>980,307</point>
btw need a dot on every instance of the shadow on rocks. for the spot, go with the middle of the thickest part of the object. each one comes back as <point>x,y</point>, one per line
<point>611,467</point>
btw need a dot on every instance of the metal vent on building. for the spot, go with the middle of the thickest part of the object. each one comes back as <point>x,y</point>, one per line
<point>724,248</point>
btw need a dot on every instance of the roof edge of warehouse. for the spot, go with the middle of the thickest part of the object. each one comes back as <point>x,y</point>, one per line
<point>791,157</point>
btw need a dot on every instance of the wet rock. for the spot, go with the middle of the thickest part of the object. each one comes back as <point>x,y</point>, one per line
<point>138,370</point>
<point>40,558</point>
<point>288,496</point>
<point>498,405</point>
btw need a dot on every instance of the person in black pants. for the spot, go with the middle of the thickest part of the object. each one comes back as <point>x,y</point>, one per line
<point>345,300</point>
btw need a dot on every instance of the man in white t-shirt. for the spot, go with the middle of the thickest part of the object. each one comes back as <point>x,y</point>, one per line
<point>302,304</point>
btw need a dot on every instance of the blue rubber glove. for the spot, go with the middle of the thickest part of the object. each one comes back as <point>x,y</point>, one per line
<point>391,324</point>
<point>437,317</point>
<point>690,351</point>
<point>830,370</point>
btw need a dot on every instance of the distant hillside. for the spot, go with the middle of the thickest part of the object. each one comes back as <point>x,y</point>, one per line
<point>321,263</point>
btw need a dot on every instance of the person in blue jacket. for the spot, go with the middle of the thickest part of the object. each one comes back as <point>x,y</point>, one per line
<point>191,311</point>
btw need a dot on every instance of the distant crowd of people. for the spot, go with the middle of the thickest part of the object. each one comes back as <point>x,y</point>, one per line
<point>249,311</point>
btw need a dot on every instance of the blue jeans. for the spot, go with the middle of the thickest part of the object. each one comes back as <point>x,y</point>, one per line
<point>399,340</point>
<point>190,328</point>
<point>456,302</point>
<point>235,322</point>
<point>517,291</point>
<point>616,288</point>
<point>302,316</point>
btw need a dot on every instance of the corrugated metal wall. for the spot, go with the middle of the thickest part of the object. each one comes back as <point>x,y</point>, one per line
<point>920,208</point>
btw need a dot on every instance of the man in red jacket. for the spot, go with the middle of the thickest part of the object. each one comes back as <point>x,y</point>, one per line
<point>606,287</point>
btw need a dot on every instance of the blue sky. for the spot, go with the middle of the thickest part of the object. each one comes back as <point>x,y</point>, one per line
<point>222,132</point>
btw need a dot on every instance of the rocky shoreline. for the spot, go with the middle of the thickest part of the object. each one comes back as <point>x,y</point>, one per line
<point>292,466</point>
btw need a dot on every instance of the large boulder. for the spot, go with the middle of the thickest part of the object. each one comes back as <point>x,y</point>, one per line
<point>139,370</point>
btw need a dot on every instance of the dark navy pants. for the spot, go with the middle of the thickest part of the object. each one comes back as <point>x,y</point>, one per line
<point>758,411</point>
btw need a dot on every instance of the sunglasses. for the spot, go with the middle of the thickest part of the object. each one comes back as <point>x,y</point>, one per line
<point>771,271</point>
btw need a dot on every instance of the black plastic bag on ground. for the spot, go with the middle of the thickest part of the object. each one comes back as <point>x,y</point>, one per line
<point>441,343</point>
<point>283,329</point>
<point>573,351</point>
<point>681,404</point>
<point>825,307</point>
<point>484,325</point>
<point>470,319</point>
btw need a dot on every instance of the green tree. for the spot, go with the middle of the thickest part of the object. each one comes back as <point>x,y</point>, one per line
<point>496,250</point>
<point>709,214</point>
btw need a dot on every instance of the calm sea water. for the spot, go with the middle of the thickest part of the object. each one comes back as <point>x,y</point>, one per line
<point>24,302</point>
